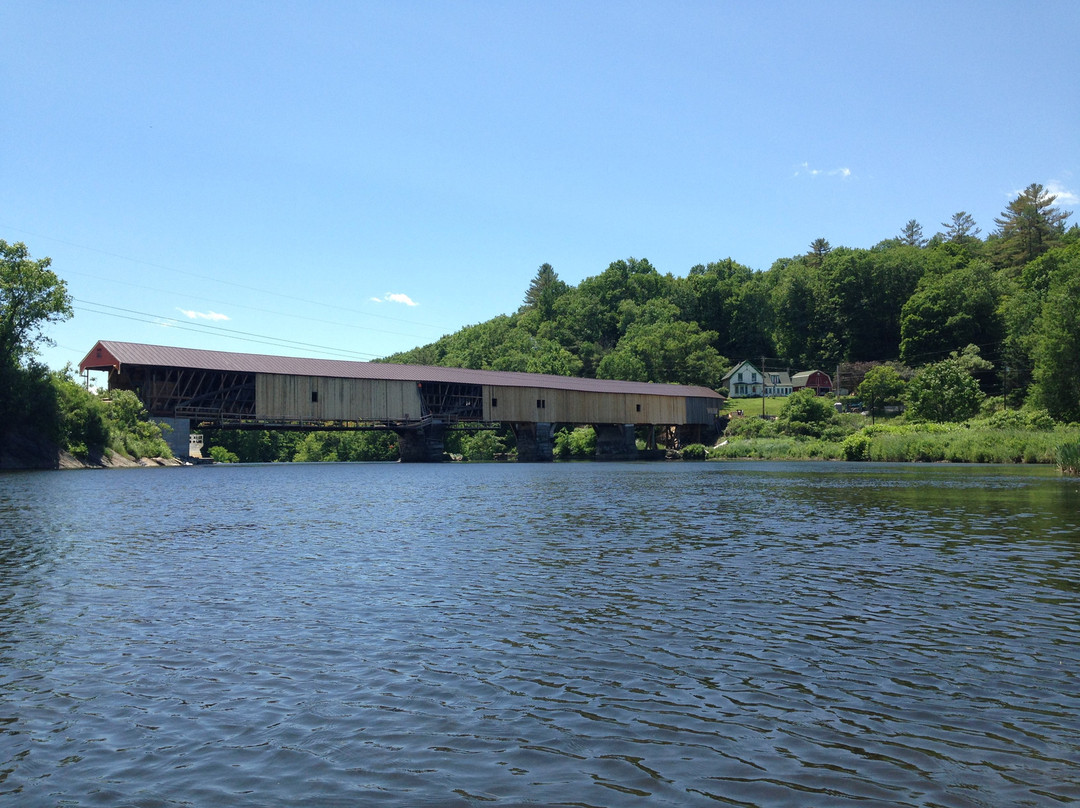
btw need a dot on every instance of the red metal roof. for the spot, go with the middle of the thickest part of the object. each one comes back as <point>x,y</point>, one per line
<point>106,354</point>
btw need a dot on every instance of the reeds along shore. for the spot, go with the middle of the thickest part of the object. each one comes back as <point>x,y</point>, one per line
<point>924,443</point>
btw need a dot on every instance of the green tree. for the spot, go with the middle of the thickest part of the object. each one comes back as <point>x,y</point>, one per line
<point>544,289</point>
<point>912,234</point>
<point>83,423</point>
<point>819,248</point>
<point>482,445</point>
<point>579,443</point>
<point>945,390</point>
<point>960,229</point>
<point>659,347</point>
<point>31,297</point>
<point>1029,226</point>
<point>1056,350</point>
<point>804,413</point>
<point>951,310</point>
<point>880,386</point>
<point>131,432</point>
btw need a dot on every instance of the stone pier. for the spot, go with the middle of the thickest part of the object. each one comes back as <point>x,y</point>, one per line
<point>615,442</point>
<point>422,445</point>
<point>535,442</point>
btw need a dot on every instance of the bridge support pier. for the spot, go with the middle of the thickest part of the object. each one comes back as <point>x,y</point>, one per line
<point>422,445</point>
<point>177,436</point>
<point>535,442</point>
<point>615,442</point>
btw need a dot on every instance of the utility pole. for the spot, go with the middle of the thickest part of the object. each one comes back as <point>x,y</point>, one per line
<point>763,386</point>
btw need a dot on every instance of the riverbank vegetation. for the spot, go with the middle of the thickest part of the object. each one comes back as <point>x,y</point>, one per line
<point>43,412</point>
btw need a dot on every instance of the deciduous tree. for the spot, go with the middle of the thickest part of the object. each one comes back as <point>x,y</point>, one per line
<point>879,386</point>
<point>31,297</point>
<point>945,390</point>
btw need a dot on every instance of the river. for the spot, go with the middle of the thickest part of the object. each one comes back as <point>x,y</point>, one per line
<point>587,634</point>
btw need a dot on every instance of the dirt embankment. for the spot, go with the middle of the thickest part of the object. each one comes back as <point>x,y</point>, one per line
<point>25,452</point>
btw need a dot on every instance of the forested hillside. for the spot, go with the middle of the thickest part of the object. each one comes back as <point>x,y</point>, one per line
<point>910,300</point>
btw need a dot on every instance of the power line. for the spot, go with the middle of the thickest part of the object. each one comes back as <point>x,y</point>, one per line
<point>221,280</point>
<point>200,328</point>
<point>251,308</point>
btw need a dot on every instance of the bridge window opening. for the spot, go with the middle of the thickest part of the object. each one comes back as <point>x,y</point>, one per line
<point>314,396</point>
<point>541,403</point>
<point>639,408</point>
<point>494,402</point>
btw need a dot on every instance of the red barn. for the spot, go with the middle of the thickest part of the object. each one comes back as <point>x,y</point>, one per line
<point>816,380</point>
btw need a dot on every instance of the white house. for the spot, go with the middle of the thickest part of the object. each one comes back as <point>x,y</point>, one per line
<point>743,381</point>
<point>777,383</point>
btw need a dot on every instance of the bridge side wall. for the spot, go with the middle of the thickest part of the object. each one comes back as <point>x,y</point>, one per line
<point>280,397</point>
<point>545,405</point>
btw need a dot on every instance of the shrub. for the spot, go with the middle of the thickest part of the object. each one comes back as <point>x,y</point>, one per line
<point>694,451</point>
<point>751,427</point>
<point>1068,457</point>
<point>804,413</point>
<point>222,455</point>
<point>580,443</point>
<point>482,445</point>
<point>856,447</point>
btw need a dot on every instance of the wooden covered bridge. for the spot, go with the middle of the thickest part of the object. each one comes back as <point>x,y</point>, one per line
<point>194,389</point>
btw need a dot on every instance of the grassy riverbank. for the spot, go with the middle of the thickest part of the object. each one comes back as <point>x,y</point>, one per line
<point>1001,437</point>
<point>926,443</point>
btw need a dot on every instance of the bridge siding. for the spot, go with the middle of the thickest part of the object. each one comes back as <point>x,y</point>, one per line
<point>280,397</point>
<point>575,407</point>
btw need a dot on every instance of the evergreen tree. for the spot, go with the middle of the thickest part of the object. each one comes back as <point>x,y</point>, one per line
<point>543,290</point>
<point>961,229</point>
<point>1029,226</point>
<point>819,248</point>
<point>912,234</point>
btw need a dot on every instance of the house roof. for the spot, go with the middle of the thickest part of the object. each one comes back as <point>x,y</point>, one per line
<point>107,355</point>
<point>743,364</point>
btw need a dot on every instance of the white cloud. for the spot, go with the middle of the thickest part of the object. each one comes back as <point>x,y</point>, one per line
<point>1064,195</point>
<point>396,297</point>
<point>202,315</point>
<point>804,170</point>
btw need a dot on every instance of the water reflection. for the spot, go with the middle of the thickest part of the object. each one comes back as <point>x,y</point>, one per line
<point>755,634</point>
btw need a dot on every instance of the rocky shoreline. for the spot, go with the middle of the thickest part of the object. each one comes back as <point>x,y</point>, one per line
<point>20,453</point>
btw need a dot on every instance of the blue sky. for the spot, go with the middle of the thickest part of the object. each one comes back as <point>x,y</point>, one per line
<point>350,179</point>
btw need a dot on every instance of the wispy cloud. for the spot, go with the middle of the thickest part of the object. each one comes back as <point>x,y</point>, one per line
<point>805,170</point>
<point>1063,194</point>
<point>202,315</point>
<point>395,297</point>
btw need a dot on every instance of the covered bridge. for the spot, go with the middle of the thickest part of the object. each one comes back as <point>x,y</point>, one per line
<point>197,388</point>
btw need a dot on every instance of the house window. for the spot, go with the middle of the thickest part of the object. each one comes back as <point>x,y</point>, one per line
<point>314,396</point>
<point>740,376</point>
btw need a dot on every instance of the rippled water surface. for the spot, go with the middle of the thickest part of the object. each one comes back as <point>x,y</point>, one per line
<point>567,634</point>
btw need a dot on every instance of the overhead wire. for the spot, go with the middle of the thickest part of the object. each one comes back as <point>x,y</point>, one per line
<point>221,331</point>
<point>251,308</point>
<point>224,281</point>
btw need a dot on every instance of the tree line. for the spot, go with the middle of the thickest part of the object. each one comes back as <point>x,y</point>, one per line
<point>910,301</point>
<point>42,410</point>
